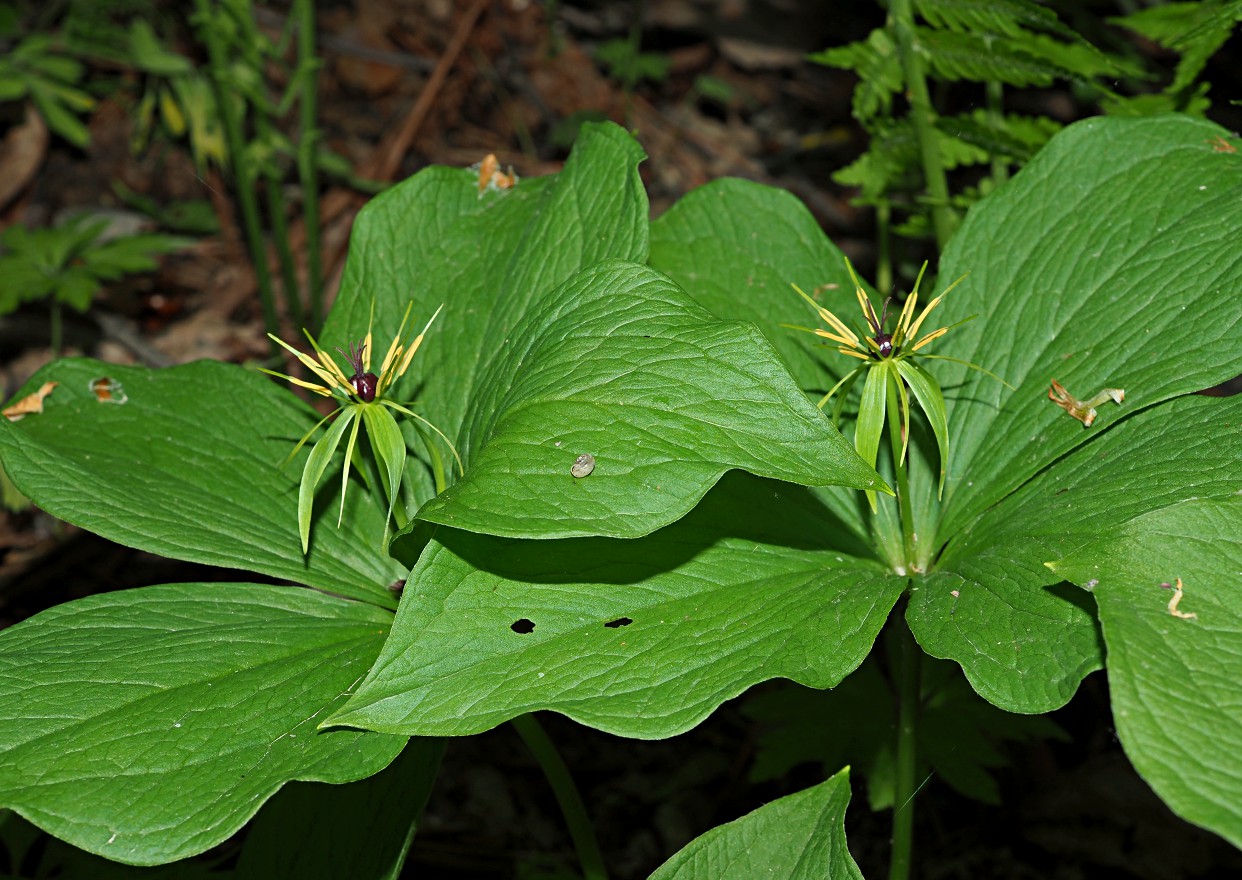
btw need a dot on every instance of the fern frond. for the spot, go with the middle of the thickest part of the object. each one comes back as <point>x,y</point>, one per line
<point>879,71</point>
<point>1010,18</point>
<point>1012,136</point>
<point>958,56</point>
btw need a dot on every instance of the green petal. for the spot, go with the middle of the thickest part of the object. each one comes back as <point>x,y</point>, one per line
<point>871,419</point>
<point>321,453</point>
<point>927,391</point>
<point>389,448</point>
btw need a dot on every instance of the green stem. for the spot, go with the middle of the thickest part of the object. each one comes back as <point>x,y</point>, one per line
<point>308,167</point>
<point>908,655</point>
<point>944,221</point>
<point>995,95</point>
<point>567,796</point>
<point>884,249</point>
<point>230,116</point>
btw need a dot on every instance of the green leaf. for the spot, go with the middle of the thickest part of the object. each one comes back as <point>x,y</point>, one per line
<point>1060,296</point>
<point>1172,680</point>
<point>190,467</point>
<point>363,829</point>
<point>798,837</point>
<point>958,56</point>
<point>154,722</point>
<point>1024,639</point>
<point>749,586</point>
<point>489,259</point>
<point>620,364</point>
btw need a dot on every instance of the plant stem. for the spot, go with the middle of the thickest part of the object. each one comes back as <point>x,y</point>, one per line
<point>308,145</point>
<point>908,656</point>
<point>209,31</point>
<point>996,111</point>
<point>944,221</point>
<point>567,796</point>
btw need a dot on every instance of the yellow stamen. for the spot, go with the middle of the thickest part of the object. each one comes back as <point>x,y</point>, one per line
<point>318,389</point>
<point>833,336</point>
<point>914,330</point>
<point>854,353</point>
<point>902,333</point>
<point>394,350</point>
<point>308,362</point>
<point>929,337</point>
<point>830,319</point>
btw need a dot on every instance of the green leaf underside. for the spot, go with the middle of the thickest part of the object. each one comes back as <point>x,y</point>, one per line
<point>311,830</point>
<point>489,259</point>
<point>1173,682</point>
<point>1107,259</point>
<point>191,467</point>
<point>156,721</point>
<point>1024,639</point>
<point>745,588</point>
<point>798,837</point>
<point>620,364</point>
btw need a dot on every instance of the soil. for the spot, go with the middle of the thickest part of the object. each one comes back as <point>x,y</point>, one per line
<point>410,83</point>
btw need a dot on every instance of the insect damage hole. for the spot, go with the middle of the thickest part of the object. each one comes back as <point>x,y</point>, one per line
<point>619,622</point>
<point>522,626</point>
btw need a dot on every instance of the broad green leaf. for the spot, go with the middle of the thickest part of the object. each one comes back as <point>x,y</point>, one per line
<point>618,363</point>
<point>798,837</point>
<point>1173,681</point>
<point>1024,639</point>
<point>736,247</point>
<point>362,830</point>
<point>150,724</point>
<point>489,258</point>
<point>1102,264</point>
<point>191,466</point>
<point>641,637</point>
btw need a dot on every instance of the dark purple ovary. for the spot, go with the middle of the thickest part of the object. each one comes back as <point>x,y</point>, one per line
<point>885,342</point>
<point>365,385</point>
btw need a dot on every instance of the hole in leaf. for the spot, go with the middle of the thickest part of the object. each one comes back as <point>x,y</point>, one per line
<point>620,621</point>
<point>523,626</point>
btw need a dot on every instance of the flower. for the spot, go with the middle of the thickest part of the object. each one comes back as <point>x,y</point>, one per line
<point>892,374</point>
<point>363,403</point>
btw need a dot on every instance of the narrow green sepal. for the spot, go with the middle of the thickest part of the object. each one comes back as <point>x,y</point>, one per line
<point>389,447</point>
<point>871,420</point>
<point>321,453</point>
<point>931,400</point>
